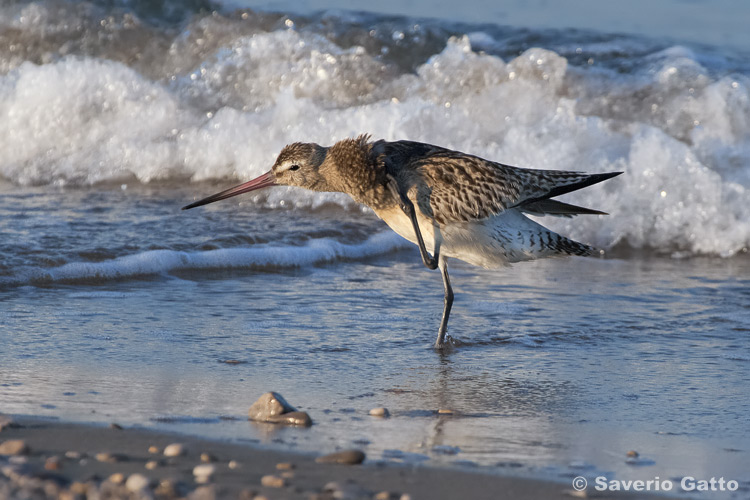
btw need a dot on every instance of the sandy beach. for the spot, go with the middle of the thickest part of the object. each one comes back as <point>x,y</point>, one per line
<point>65,460</point>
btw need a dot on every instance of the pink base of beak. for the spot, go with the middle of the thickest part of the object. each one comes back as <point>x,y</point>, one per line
<point>261,182</point>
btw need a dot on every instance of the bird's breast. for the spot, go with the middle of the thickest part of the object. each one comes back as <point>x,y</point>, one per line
<point>401,224</point>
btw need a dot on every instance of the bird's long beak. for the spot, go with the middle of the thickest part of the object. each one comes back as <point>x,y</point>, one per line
<point>264,180</point>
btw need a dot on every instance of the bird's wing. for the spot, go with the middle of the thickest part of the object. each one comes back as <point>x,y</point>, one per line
<point>450,186</point>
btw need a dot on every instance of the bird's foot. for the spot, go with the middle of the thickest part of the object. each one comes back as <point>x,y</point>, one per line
<point>448,343</point>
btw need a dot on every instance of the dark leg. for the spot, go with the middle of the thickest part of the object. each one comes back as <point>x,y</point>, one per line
<point>447,304</point>
<point>408,207</point>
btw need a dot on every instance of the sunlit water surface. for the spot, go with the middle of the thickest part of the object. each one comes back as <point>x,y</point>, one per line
<point>562,365</point>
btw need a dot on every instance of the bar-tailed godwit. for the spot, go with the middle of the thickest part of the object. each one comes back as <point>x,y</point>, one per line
<point>448,203</point>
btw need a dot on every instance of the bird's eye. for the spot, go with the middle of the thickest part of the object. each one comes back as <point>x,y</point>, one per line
<point>294,167</point>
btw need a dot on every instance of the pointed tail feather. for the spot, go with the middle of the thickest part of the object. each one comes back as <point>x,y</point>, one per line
<point>566,187</point>
<point>557,209</point>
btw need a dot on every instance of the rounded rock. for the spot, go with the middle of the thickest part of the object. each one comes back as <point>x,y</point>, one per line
<point>380,412</point>
<point>271,481</point>
<point>14,447</point>
<point>117,478</point>
<point>298,418</point>
<point>204,470</point>
<point>270,404</point>
<point>174,450</point>
<point>285,466</point>
<point>137,482</point>
<point>53,463</point>
<point>152,464</point>
<point>344,457</point>
<point>153,449</point>
<point>107,457</point>
<point>233,464</point>
<point>207,458</point>
<point>632,454</point>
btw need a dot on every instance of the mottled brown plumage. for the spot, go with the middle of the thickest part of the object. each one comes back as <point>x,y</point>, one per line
<point>450,204</point>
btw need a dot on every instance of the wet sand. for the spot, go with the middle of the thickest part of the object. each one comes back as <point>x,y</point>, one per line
<point>65,460</point>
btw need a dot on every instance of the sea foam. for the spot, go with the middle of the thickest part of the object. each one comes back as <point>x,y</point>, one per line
<point>228,96</point>
<point>260,257</point>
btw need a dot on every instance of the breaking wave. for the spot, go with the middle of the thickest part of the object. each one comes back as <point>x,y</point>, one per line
<point>89,96</point>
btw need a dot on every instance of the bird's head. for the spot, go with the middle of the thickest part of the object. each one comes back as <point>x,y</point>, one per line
<point>298,165</point>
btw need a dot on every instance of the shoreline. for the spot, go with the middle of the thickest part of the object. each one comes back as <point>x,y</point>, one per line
<point>74,460</point>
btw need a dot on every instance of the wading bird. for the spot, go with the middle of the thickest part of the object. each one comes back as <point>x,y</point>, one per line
<point>450,204</point>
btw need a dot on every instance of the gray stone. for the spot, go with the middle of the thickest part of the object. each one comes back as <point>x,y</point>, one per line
<point>272,407</point>
<point>344,457</point>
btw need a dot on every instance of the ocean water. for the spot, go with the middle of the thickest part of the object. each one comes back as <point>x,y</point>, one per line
<point>117,306</point>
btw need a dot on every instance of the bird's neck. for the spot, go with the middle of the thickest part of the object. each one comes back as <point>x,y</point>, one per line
<point>351,168</point>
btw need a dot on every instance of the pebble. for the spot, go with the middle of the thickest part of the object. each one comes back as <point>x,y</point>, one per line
<point>445,411</point>
<point>287,474</point>
<point>53,463</point>
<point>380,412</point>
<point>152,464</point>
<point>285,466</point>
<point>115,426</point>
<point>233,464</point>
<point>272,481</point>
<point>297,418</point>
<point>632,454</point>
<point>207,458</point>
<point>154,449</point>
<point>345,457</point>
<point>117,478</point>
<point>107,457</point>
<point>73,455</point>
<point>386,495</point>
<point>136,482</point>
<point>272,407</point>
<point>203,472</point>
<point>14,447</point>
<point>174,450</point>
